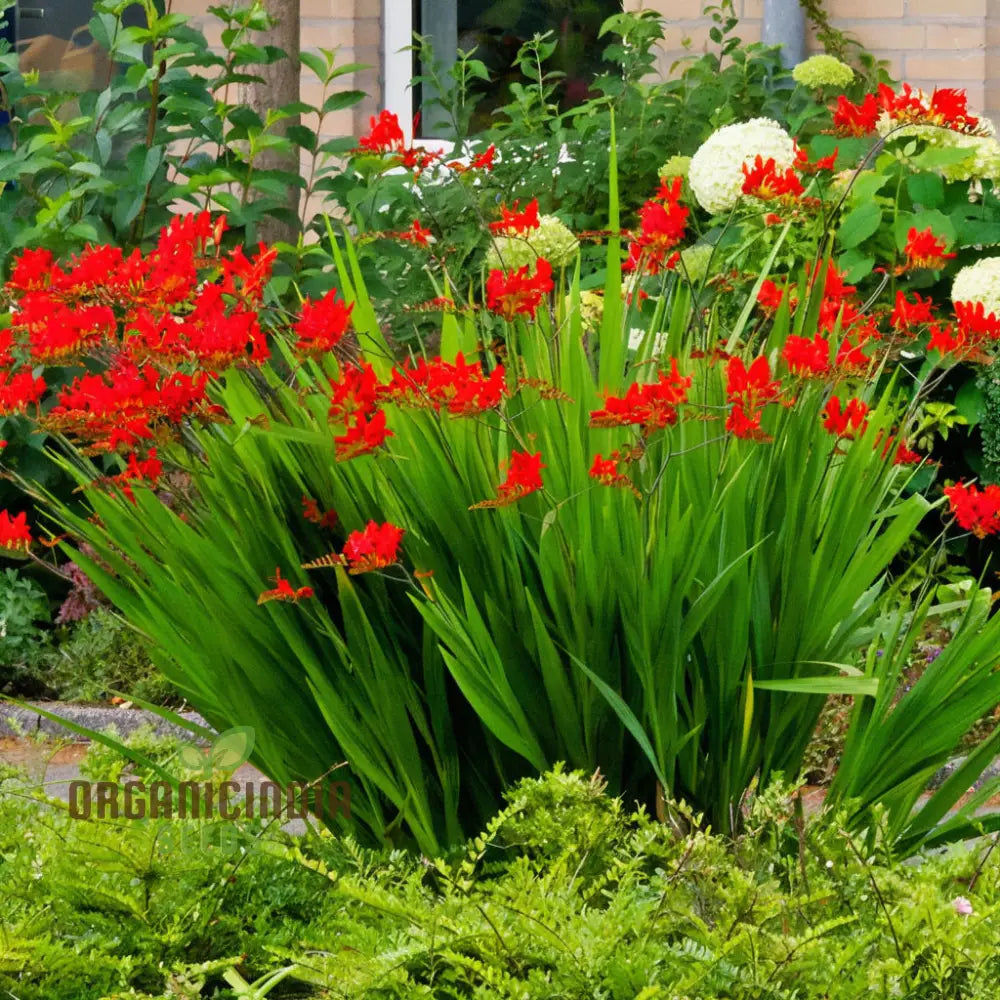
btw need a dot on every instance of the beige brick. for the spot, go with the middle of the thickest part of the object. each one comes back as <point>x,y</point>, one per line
<point>881,9</point>
<point>674,37</point>
<point>939,66</point>
<point>188,7</point>
<point>753,9</point>
<point>947,36</point>
<point>946,8</point>
<point>672,10</point>
<point>336,33</point>
<point>894,60</point>
<point>899,37</point>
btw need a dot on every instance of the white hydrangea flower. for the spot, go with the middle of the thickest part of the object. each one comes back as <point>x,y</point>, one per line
<point>551,240</point>
<point>979,282</point>
<point>716,172</point>
<point>822,71</point>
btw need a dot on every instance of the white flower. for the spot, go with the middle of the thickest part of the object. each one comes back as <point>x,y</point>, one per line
<point>962,906</point>
<point>551,240</point>
<point>637,335</point>
<point>979,282</point>
<point>822,71</point>
<point>716,171</point>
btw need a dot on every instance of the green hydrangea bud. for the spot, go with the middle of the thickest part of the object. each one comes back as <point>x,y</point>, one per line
<point>551,240</point>
<point>822,71</point>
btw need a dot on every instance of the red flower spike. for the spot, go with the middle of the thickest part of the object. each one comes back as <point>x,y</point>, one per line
<point>976,511</point>
<point>925,250</point>
<point>362,436</point>
<point>384,134</point>
<point>856,119</point>
<point>651,405</point>
<point>845,421</point>
<point>372,549</point>
<point>18,391</point>
<point>511,294</point>
<point>808,358</point>
<point>322,324</point>
<point>524,476</point>
<point>283,591</point>
<point>908,314</point>
<point>514,222</point>
<point>312,513</point>
<point>749,390</point>
<point>15,535</point>
<point>764,181</point>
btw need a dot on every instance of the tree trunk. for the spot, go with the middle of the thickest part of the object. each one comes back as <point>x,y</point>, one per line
<point>279,86</point>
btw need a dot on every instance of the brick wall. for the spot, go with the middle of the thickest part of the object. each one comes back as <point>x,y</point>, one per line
<point>353,27</point>
<point>928,43</point>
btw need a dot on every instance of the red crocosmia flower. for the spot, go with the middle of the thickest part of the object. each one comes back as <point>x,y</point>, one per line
<point>416,234</point>
<point>481,161</point>
<point>510,294</point>
<point>947,107</point>
<point>856,119</point>
<point>604,470</point>
<point>19,390</point>
<point>362,435</point>
<point>357,391</point>
<point>384,135</point>
<point>902,455</point>
<point>372,549</point>
<point>484,160</point>
<point>311,512</point>
<point>773,219</point>
<point>976,511</point>
<point>662,223</point>
<point>803,166</point>
<point>321,324</point>
<point>809,358</point>
<point>33,270</point>
<point>524,476</point>
<point>925,250</point>
<point>514,222</point>
<point>463,388</point>
<point>908,314</point>
<point>749,390</point>
<point>765,181</point>
<point>15,535</point>
<point>651,405</point>
<point>845,421</point>
<point>851,357</point>
<point>752,385</point>
<point>770,295</point>
<point>607,473</point>
<point>147,470</point>
<point>283,590</point>
<point>976,323</point>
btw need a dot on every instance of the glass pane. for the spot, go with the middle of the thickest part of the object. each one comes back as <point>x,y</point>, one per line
<point>52,37</point>
<point>498,28</point>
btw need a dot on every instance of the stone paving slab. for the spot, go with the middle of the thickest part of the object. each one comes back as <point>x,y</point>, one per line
<point>16,721</point>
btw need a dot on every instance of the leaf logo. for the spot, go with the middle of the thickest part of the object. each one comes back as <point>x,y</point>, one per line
<point>229,750</point>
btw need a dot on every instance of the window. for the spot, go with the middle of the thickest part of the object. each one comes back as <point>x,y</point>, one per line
<point>496,29</point>
<point>52,37</point>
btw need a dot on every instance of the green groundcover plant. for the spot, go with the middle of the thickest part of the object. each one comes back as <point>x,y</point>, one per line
<point>565,892</point>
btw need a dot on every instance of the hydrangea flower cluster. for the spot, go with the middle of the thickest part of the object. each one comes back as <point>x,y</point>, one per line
<point>979,282</point>
<point>551,239</point>
<point>822,71</point>
<point>716,173</point>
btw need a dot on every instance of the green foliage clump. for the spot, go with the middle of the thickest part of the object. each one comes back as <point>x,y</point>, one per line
<point>792,908</point>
